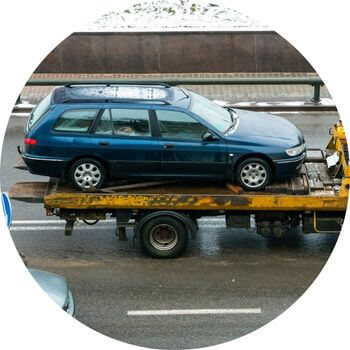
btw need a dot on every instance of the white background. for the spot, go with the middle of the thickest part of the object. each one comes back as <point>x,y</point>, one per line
<point>30,30</point>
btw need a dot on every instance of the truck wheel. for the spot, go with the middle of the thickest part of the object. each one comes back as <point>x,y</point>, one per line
<point>253,174</point>
<point>87,174</point>
<point>164,237</point>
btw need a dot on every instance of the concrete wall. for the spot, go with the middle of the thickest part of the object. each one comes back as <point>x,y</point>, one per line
<point>174,52</point>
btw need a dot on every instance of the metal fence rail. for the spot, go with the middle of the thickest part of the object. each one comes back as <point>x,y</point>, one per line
<point>315,82</point>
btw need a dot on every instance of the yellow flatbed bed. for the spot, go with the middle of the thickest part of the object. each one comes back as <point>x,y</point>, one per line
<point>187,196</point>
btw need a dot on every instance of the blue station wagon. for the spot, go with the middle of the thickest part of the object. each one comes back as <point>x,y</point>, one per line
<point>91,134</point>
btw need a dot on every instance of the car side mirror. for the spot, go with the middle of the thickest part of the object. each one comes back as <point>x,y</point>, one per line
<point>208,136</point>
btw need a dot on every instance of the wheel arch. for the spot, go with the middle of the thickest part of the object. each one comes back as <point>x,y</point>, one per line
<point>254,155</point>
<point>186,220</point>
<point>99,159</point>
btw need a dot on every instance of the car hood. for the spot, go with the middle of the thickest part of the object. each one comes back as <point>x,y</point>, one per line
<point>54,285</point>
<point>266,128</point>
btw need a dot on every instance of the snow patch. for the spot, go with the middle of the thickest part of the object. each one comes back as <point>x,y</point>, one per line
<point>323,102</point>
<point>221,103</point>
<point>175,15</point>
<point>120,92</point>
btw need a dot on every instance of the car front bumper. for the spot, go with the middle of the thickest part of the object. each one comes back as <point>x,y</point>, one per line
<point>285,168</point>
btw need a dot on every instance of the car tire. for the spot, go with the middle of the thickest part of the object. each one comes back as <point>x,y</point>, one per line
<point>164,237</point>
<point>253,174</point>
<point>87,174</point>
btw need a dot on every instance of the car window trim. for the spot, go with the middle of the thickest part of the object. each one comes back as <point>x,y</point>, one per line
<point>97,120</point>
<point>155,128</point>
<point>123,136</point>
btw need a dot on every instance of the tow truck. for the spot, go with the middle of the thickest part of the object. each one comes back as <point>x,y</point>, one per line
<point>164,214</point>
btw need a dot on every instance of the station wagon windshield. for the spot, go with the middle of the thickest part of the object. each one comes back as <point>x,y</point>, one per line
<point>211,112</point>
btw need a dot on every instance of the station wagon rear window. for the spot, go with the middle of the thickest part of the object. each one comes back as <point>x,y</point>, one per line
<point>42,108</point>
<point>77,120</point>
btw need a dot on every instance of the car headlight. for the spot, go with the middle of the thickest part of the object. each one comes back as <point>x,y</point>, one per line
<point>295,150</point>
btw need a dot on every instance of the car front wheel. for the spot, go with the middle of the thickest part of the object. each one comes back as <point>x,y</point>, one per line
<point>87,174</point>
<point>253,174</point>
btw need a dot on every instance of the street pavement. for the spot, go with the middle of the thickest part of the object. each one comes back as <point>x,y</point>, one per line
<point>243,279</point>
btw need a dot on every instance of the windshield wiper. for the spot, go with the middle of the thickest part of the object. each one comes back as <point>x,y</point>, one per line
<point>233,114</point>
<point>234,118</point>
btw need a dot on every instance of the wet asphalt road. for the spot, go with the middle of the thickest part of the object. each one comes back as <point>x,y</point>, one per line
<point>222,269</point>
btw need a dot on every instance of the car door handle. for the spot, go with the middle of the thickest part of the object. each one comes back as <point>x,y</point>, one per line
<point>103,143</point>
<point>168,145</point>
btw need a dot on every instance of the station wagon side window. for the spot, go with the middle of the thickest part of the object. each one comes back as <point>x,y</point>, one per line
<point>130,122</point>
<point>104,125</point>
<point>76,120</point>
<point>174,124</point>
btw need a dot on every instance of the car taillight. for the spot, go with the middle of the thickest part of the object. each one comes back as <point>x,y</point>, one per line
<point>31,142</point>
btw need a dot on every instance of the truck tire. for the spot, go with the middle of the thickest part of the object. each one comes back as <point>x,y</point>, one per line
<point>163,237</point>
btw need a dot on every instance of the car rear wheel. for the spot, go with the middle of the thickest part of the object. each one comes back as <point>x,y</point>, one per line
<point>87,174</point>
<point>253,174</point>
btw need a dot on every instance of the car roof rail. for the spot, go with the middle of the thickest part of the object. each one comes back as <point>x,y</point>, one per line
<point>116,100</point>
<point>121,83</point>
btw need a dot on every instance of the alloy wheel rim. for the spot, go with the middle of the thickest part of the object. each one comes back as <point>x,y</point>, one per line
<point>163,237</point>
<point>253,175</point>
<point>87,175</point>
